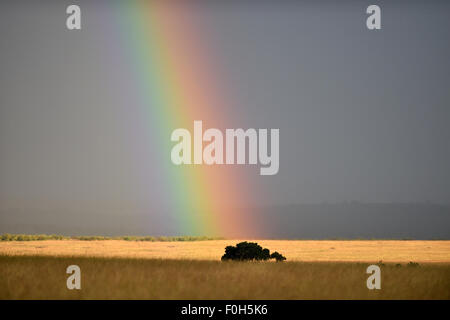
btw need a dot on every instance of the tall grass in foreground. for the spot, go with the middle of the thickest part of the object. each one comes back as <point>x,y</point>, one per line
<point>36,237</point>
<point>36,277</point>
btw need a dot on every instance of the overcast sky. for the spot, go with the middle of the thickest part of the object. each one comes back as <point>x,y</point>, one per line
<point>363,115</point>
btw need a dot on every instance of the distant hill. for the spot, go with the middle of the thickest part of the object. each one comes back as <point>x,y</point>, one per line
<point>358,220</point>
<point>306,221</point>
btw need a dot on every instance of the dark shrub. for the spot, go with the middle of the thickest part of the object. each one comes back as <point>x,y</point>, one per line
<point>277,256</point>
<point>245,251</point>
<point>266,254</point>
<point>230,253</point>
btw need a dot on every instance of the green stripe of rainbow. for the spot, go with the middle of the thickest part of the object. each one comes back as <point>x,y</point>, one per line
<point>177,89</point>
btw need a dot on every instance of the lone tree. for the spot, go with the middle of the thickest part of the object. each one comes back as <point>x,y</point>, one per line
<point>246,251</point>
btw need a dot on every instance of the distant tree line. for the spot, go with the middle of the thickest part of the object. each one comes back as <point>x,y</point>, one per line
<point>37,237</point>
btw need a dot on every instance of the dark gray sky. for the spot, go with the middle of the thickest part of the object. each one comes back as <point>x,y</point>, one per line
<point>363,115</point>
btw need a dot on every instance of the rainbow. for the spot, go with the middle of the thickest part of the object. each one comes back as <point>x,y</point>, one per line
<point>178,83</point>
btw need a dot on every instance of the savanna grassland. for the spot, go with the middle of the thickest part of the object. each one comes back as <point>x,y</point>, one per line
<point>120,269</point>
<point>30,277</point>
<point>401,251</point>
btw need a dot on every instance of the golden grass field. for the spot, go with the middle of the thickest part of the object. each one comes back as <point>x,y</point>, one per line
<point>294,250</point>
<point>116,269</point>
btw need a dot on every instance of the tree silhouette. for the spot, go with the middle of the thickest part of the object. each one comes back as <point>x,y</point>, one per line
<point>247,251</point>
<point>277,256</point>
